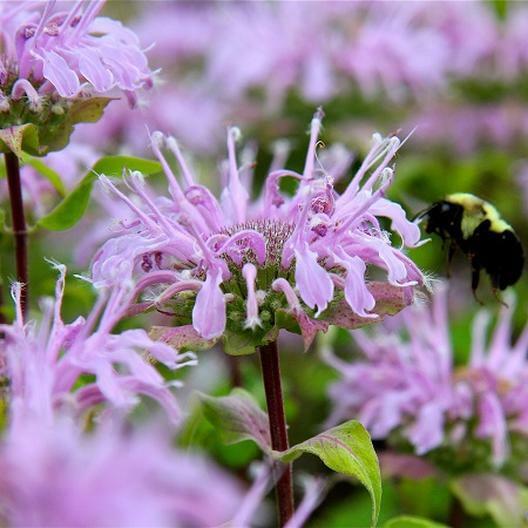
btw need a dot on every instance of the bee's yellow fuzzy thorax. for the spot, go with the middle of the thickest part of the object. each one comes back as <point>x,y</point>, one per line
<point>476,211</point>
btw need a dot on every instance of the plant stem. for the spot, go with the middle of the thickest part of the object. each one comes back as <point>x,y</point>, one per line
<point>269,358</point>
<point>457,514</point>
<point>19,224</point>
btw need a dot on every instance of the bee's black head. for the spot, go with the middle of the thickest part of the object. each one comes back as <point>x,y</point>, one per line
<point>445,219</point>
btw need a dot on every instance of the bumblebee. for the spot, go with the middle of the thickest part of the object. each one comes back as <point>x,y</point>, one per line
<point>474,226</point>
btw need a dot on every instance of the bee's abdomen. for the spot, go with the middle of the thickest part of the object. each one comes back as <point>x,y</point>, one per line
<point>499,253</point>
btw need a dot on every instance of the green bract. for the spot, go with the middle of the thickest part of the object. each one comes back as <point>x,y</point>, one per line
<point>48,128</point>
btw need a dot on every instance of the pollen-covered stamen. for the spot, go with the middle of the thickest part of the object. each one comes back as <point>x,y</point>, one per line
<point>275,234</point>
<point>249,272</point>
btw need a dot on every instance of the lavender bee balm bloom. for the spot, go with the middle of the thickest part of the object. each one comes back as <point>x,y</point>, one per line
<point>53,63</point>
<point>235,267</point>
<point>410,391</point>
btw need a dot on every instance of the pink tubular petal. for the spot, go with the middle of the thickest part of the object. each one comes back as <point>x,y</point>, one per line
<point>409,231</point>
<point>94,70</point>
<point>313,281</point>
<point>357,294</point>
<point>58,73</point>
<point>493,425</point>
<point>209,312</point>
<point>428,430</point>
<point>235,197</point>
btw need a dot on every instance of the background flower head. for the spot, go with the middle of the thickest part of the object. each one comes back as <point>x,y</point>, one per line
<point>409,390</point>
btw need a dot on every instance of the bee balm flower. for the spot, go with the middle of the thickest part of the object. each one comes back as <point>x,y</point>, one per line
<point>237,267</point>
<point>44,362</point>
<point>411,392</point>
<point>52,62</point>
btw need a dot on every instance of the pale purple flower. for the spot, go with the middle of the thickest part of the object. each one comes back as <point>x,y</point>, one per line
<point>224,53</point>
<point>408,389</point>
<point>45,361</point>
<point>189,250</point>
<point>116,476</point>
<point>466,127</point>
<point>48,52</point>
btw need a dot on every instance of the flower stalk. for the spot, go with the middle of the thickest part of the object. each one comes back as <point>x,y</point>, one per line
<point>269,358</point>
<point>19,224</point>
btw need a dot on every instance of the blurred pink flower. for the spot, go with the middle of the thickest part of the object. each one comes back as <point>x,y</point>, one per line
<point>58,476</point>
<point>408,389</point>
<point>315,245</point>
<point>63,52</point>
<point>45,361</point>
<point>465,127</point>
<point>230,65</point>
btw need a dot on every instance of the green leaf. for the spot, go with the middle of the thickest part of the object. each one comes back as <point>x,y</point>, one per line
<point>489,494</point>
<point>346,449</point>
<point>237,417</point>
<point>54,133</point>
<point>70,210</point>
<point>52,176</point>
<point>406,521</point>
<point>18,138</point>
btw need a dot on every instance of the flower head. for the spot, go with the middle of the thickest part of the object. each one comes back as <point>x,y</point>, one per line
<point>53,62</point>
<point>234,265</point>
<point>410,390</point>
<point>45,362</point>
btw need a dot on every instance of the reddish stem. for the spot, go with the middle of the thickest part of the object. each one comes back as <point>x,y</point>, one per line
<point>19,224</point>
<point>269,358</point>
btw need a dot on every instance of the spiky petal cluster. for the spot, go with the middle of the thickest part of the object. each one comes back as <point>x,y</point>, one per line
<point>410,388</point>
<point>48,52</point>
<point>234,263</point>
<point>45,361</point>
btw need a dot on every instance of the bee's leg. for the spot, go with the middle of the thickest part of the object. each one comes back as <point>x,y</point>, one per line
<point>450,253</point>
<point>475,278</point>
<point>497,295</point>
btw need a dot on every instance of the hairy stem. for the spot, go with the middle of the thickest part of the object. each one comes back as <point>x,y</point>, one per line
<point>269,358</point>
<point>19,224</point>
